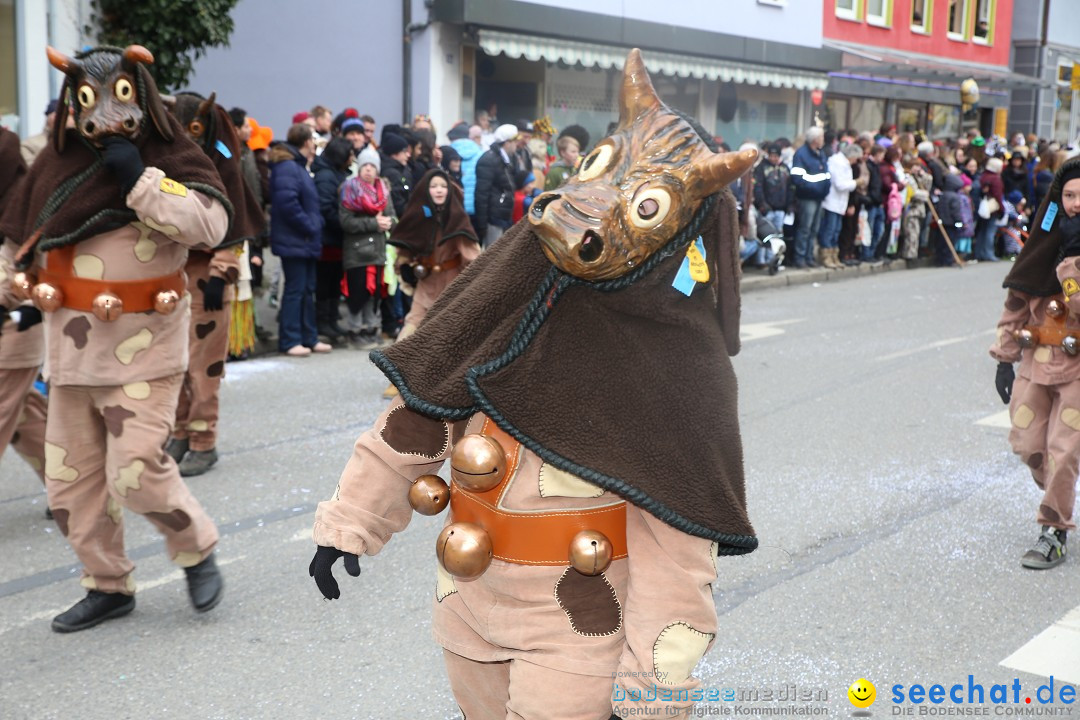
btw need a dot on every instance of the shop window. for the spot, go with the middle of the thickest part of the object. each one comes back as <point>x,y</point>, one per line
<point>921,12</point>
<point>943,121</point>
<point>983,32</point>
<point>958,15</point>
<point>867,114</point>
<point>763,113</point>
<point>8,92</point>
<point>879,12</point>
<point>1064,110</point>
<point>847,9</point>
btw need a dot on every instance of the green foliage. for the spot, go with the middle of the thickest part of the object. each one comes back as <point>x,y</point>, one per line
<point>177,32</point>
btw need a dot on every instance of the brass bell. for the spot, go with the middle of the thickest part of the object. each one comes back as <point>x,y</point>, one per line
<point>165,302</point>
<point>421,271</point>
<point>107,307</point>
<point>1026,338</point>
<point>590,552</point>
<point>464,550</point>
<point>23,285</point>
<point>1070,345</point>
<point>429,495</point>
<point>48,298</point>
<point>477,463</point>
<point>1055,309</point>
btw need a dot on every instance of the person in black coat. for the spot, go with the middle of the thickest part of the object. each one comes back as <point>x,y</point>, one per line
<point>950,211</point>
<point>331,170</point>
<point>394,154</point>
<point>495,186</point>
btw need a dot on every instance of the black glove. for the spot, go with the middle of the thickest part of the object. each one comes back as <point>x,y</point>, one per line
<point>408,274</point>
<point>322,566</point>
<point>1070,236</point>
<point>1004,381</point>
<point>29,316</point>
<point>122,160</point>
<point>213,294</point>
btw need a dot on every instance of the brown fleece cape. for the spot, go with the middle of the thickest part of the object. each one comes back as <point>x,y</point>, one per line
<point>71,196</point>
<point>626,383</point>
<point>12,166</point>
<point>423,226</point>
<point>1035,269</point>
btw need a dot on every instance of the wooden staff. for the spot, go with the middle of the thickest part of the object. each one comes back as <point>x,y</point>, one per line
<point>941,227</point>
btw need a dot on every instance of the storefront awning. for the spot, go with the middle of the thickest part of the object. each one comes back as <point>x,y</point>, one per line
<point>858,59</point>
<point>535,47</point>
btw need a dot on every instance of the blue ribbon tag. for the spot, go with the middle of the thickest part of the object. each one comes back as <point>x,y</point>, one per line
<point>427,211</point>
<point>1048,218</point>
<point>683,282</point>
<point>223,149</point>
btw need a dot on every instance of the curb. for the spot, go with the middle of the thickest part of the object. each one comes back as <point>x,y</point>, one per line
<point>790,277</point>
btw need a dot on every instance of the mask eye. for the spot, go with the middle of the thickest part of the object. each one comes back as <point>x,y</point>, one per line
<point>87,96</point>
<point>650,208</point>
<point>195,128</point>
<point>124,90</point>
<point>596,162</point>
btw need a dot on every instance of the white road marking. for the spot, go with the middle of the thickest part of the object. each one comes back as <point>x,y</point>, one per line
<point>302,534</point>
<point>997,420</point>
<point>1055,651</point>
<point>172,577</point>
<point>757,331</point>
<point>933,346</point>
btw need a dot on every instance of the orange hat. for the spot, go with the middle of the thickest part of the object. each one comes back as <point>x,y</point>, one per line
<point>260,136</point>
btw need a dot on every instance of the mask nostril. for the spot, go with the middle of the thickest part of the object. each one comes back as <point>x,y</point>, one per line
<point>129,124</point>
<point>88,127</point>
<point>591,248</point>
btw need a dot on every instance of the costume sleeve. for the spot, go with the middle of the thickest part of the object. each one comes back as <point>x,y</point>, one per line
<point>1068,274</point>
<point>469,250</point>
<point>668,613</point>
<point>371,501</point>
<point>183,215</point>
<point>1013,317</point>
<point>225,263</point>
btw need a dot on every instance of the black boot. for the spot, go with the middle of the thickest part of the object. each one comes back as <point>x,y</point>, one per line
<point>205,585</point>
<point>95,608</point>
<point>333,314</point>
<point>322,322</point>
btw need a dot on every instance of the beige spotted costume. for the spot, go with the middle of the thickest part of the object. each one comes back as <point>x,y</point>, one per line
<point>1045,405</point>
<point>114,388</point>
<point>208,346</point>
<point>560,628</point>
<point>22,408</point>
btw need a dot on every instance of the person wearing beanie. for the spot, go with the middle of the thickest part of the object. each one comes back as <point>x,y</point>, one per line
<point>525,194</point>
<point>1038,329</point>
<point>353,131</point>
<point>991,207</point>
<point>459,131</point>
<point>541,148</point>
<point>494,198</point>
<point>395,159</point>
<point>578,133</point>
<point>451,163</point>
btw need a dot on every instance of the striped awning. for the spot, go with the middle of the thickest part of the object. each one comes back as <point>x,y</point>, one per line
<point>535,47</point>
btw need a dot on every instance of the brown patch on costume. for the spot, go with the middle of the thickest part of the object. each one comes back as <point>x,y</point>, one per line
<point>206,202</point>
<point>114,417</point>
<point>589,602</point>
<point>204,329</point>
<point>1045,510</point>
<point>176,520</point>
<point>1014,302</point>
<point>410,433</point>
<point>61,518</point>
<point>77,329</point>
<point>1035,461</point>
<point>216,369</point>
<point>457,430</point>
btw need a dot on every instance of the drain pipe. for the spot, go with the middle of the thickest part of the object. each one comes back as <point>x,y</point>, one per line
<point>406,54</point>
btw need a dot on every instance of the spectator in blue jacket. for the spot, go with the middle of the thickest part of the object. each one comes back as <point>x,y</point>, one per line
<point>470,151</point>
<point>296,237</point>
<point>810,175</point>
<point>331,169</point>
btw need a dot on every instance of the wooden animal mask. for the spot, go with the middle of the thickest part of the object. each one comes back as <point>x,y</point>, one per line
<point>110,92</point>
<point>197,115</point>
<point>635,190</point>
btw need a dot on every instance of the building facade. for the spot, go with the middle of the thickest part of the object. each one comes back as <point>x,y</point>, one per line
<point>1046,46</point>
<point>904,62</point>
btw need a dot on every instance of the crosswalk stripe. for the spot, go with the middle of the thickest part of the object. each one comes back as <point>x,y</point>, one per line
<point>997,420</point>
<point>1055,651</point>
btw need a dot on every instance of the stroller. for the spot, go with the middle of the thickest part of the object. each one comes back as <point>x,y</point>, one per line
<point>767,248</point>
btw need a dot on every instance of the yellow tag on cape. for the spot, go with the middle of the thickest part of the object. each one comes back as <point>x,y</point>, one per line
<point>1071,287</point>
<point>173,188</point>
<point>699,270</point>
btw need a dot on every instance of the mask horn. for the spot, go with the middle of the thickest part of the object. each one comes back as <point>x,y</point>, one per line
<point>62,62</point>
<point>136,55</point>
<point>720,169</point>
<point>637,95</point>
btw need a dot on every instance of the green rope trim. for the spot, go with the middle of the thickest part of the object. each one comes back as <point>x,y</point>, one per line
<point>538,310</point>
<point>66,189</point>
<point>110,219</point>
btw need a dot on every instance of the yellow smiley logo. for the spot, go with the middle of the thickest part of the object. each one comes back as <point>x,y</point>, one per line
<point>862,693</point>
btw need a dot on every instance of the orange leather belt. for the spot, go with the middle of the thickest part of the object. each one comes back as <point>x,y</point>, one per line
<point>1049,335</point>
<point>532,538</point>
<point>430,264</point>
<point>79,293</point>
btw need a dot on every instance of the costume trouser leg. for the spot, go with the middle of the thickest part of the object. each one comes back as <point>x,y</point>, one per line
<point>519,690</point>
<point>1046,435</point>
<point>22,417</point>
<point>197,407</point>
<point>102,454</point>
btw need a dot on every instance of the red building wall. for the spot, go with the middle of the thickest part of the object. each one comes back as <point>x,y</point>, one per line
<point>900,36</point>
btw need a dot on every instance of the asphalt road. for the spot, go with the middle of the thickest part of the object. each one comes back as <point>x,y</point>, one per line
<point>891,527</point>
